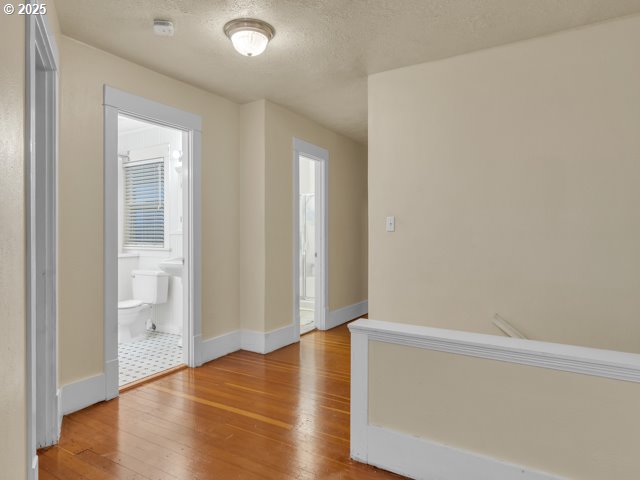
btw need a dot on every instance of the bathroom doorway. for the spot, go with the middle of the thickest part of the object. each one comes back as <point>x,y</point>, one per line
<point>152,241</point>
<point>310,240</point>
<point>150,249</point>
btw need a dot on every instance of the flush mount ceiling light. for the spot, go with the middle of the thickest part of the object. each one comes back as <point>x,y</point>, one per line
<point>249,36</point>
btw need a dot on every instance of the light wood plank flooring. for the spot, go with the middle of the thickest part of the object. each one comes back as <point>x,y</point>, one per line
<point>284,415</point>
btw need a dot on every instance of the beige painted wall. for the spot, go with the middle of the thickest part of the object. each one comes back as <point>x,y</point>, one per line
<point>266,196</point>
<point>251,193</point>
<point>13,369</point>
<point>575,426</point>
<point>52,19</point>
<point>13,420</point>
<point>236,288</point>
<point>84,72</point>
<point>513,175</point>
<point>347,214</point>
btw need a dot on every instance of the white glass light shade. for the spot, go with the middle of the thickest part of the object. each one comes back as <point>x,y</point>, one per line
<point>249,43</point>
<point>249,36</point>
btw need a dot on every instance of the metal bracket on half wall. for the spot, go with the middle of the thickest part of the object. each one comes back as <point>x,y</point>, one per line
<point>508,329</point>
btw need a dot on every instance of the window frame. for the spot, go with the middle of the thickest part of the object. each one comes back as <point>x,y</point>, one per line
<point>140,156</point>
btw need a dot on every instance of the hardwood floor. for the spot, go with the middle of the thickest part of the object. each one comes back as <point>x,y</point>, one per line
<point>284,415</point>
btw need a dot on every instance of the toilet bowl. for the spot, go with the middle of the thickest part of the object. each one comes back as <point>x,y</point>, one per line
<point>150,287</point>
<point>132,320</point>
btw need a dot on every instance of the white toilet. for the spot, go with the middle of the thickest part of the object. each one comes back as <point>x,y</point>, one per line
<point>150,287</point>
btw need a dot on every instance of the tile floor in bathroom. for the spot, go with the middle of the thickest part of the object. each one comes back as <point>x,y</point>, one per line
<point>157,352</point>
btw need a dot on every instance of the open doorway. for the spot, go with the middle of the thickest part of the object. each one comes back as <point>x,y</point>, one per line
<point>151,239</point>
<point>150,249</point>
<point>308,243</point>
<point>310,239</point>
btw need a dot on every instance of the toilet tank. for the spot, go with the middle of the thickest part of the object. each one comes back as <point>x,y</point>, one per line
<point>150,286</point>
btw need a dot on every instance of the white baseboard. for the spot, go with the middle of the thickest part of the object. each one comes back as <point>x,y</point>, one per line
<point>279,338</point>
<point>34,468</point>
<point>194,359</point>
<point>265,342</point>
<point>423,459</point>
<point>345,314</point>
<point>112,386</point>
<point>250,340</point>
<point>83,393</point>
<point>219,346</point>
<point>60,414</point>
<point>172,329</point>
<point>86,392</point>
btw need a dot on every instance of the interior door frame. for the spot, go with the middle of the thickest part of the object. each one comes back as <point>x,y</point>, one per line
<point>41,147</point>
<point>321,156</point>
<point>118,102</point>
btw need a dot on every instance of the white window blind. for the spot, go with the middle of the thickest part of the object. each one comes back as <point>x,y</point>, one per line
<point>144,203</point>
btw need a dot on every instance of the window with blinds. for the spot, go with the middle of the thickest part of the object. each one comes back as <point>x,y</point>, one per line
<point>144,204</point>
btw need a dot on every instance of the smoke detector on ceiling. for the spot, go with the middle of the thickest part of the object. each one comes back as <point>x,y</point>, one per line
<point>163,28</point>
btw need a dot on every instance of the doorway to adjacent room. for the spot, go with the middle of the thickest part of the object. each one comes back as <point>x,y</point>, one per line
<point>310,167</point>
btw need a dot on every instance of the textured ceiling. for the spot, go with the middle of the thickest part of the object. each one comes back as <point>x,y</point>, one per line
<point>318,62</point>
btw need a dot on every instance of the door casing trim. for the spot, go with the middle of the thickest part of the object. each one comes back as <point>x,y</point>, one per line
<point>115,103</point>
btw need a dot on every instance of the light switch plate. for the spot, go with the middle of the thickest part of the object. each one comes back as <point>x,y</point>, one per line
<point>391,224</point>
